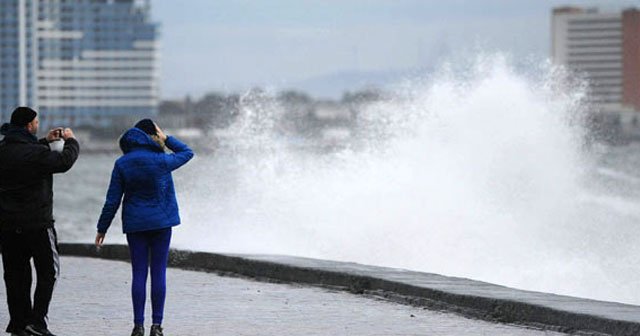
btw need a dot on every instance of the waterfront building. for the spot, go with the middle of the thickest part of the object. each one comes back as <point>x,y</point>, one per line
<point>605,47</point>
<point>79,62</point>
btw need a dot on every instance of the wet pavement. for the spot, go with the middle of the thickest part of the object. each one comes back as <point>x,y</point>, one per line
<point>92,297</point>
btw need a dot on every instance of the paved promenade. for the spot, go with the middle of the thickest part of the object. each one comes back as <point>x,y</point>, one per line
<point>469,298</point>
<point>92,298</point>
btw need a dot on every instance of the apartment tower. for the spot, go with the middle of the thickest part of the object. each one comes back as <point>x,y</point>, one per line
<point>604,46</point>
<point>78,62</point>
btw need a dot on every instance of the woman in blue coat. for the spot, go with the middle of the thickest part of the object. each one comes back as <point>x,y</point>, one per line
<point>149,210</point>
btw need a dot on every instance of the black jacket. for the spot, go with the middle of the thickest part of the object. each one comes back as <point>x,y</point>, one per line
<point>26,180</point>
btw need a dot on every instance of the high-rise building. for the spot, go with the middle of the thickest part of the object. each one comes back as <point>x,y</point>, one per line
<point>78,61</point>
<point>604,46</point>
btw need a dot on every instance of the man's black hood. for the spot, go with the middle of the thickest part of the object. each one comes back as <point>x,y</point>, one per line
<point>16,134</point>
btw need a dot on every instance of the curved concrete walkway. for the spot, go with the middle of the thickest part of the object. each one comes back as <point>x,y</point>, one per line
<point>466,297</point>
<point>92,298</point>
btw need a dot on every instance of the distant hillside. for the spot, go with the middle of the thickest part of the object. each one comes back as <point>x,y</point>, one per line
<point>335,84</point>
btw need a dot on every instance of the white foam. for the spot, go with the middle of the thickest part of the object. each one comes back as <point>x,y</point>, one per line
<point>476,174</point>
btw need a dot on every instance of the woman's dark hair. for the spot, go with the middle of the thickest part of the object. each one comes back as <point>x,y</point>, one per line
<point>147,126</point>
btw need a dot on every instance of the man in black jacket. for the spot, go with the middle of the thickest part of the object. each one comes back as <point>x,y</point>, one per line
<point>27,166</point>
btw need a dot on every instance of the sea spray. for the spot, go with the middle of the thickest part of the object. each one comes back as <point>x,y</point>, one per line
<point>480,173</point>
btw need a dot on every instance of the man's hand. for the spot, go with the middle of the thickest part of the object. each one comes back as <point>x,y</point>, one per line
<point>68,134</point>
<point>99,239</point>
<point>54,134</point>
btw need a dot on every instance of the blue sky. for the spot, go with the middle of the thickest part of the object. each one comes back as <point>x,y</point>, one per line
<point>321,46</point>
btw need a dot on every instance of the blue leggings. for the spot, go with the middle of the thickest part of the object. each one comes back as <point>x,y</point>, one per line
<point>148,246</point>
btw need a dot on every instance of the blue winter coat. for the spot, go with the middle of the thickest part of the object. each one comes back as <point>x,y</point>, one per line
<point>143,176</point>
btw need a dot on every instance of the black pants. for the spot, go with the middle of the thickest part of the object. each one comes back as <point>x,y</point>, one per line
<point>17,250</point>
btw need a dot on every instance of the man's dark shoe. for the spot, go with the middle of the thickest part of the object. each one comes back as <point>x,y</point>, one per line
<point>156,330</point>
<point>138,330</point>
<point>20,333</point>
<point>34,330</point>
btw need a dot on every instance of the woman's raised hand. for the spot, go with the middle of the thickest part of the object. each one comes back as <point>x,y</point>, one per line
<point>160,133</point>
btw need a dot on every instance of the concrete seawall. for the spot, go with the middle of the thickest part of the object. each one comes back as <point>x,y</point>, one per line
<point>467,297</point>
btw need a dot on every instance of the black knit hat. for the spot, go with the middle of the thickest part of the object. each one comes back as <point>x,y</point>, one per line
<point>22,115</point>
<point>147,126</point>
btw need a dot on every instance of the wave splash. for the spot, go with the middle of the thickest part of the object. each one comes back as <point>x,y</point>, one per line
<point>478,173</point>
